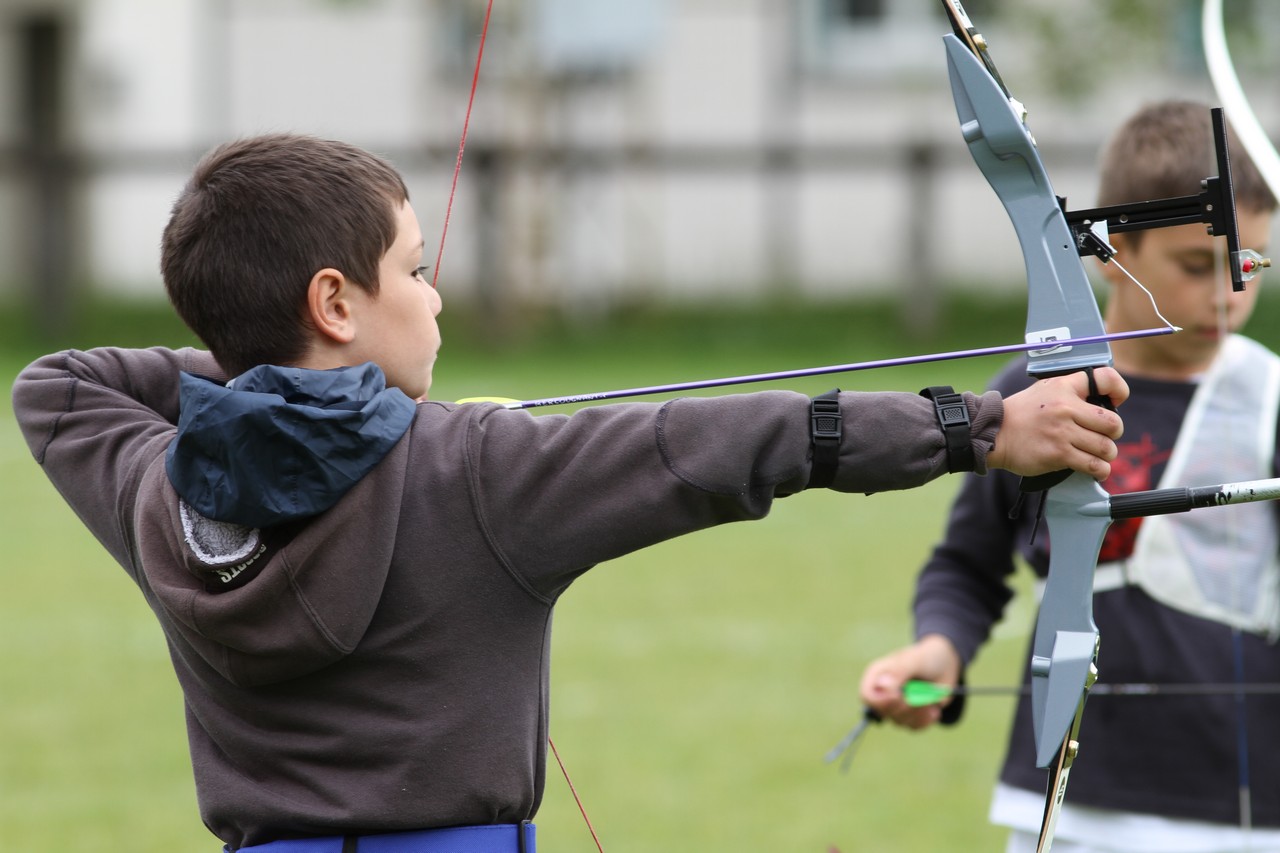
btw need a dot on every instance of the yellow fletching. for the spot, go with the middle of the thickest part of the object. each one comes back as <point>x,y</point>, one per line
<point>502,401</point>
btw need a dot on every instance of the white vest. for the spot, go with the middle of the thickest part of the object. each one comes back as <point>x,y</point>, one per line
<point>1218,563</point>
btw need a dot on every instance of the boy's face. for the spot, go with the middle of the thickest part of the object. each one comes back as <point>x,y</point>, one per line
<point>405,338</point>
<point>1183,267</point>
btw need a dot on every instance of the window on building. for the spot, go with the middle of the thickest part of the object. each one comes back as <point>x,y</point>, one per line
<point>874,38</point>
<point>860,10</point>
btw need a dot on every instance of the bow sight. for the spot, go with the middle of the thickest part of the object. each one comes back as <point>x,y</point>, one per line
<point>1215,206</point>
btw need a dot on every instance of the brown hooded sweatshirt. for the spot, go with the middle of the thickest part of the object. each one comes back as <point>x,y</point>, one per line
<point>383,665</point>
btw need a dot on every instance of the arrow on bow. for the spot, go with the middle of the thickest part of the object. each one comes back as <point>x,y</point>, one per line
<point>678,387</point>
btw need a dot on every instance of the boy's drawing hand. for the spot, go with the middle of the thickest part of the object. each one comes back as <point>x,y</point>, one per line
<point>1050,426</point>
<point>931,658</point>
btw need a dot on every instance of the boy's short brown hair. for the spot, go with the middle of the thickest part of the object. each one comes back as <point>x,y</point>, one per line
<point>1165,150</point>
<point>257,219</point>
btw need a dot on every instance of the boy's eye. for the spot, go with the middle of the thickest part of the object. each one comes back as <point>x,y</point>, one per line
<point>421,272</point>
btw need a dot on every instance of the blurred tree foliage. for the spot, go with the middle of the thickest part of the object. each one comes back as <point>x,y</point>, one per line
<point>1078,47</point>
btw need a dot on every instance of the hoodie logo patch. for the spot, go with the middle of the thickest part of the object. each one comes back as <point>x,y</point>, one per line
<point>227,555</point>
<point>233,577</point>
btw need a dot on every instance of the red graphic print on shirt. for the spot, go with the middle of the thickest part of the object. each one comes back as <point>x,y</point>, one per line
<point>1130,472</point>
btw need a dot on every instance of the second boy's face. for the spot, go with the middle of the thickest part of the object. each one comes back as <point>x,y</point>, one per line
<point>1182,267</point>
<point>406,337</point>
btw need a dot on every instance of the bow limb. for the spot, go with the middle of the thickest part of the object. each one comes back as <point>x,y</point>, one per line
<point>1060,302</point>
<point>1065,649</point>
<point>1227,84</point>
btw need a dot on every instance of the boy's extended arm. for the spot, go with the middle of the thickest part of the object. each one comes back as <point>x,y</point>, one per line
<point>616,478</point>
<point>95,419</point>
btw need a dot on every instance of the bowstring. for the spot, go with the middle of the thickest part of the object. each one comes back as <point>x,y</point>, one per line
<point>462,142</point>
<point>444,233</point>
<point>581,808</point>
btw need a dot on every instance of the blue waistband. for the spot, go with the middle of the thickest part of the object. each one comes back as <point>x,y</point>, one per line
<point>493,838</point>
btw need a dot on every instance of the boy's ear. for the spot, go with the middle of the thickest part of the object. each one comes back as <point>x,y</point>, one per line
<point>329,306</point>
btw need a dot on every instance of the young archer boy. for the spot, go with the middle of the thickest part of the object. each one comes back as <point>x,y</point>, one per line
<point>356,583</point>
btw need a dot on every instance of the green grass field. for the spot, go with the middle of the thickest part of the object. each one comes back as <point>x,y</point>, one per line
<point>697,685</point>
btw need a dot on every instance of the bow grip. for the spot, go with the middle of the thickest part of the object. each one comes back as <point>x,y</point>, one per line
<point>1043,482</point>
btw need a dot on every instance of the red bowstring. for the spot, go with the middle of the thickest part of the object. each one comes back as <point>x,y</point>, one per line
<point>444,232</point>
<point>574,791</point>
<point>462,143</point>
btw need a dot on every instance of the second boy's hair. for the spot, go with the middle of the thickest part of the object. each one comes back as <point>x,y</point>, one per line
<point>258,218</point>
<point>1165,150</point>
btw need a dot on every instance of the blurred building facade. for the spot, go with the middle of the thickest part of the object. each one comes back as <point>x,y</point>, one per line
<point>620,150</point>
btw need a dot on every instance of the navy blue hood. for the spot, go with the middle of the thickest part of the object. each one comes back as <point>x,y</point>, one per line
<point>282,443</point>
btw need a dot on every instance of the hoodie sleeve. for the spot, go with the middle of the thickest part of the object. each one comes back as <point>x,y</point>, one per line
<point>94,420</point>
<point>558,494</point>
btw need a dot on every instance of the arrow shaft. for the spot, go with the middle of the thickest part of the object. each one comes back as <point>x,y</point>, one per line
<point>1181,499</point>
<point>678,387</point>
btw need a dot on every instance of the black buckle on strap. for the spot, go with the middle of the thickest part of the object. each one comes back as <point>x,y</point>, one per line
<point>953,417</point>
<point>826,427</point>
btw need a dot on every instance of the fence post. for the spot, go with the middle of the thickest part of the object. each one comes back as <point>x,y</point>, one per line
<point>48,166</point>
<point>918,283</point>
